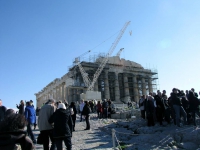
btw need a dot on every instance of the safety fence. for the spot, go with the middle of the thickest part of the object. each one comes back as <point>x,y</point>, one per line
<point>115,139</point>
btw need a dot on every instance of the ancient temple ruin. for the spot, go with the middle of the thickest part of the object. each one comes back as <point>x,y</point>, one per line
<point>121,81</point>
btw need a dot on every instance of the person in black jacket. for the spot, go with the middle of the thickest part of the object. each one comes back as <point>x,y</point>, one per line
<point>21,107</point>
<point>63,126</point>
<point>193,105</point>
<point>185,103</point>
<point>177,105</point>
<point>150,109</point>
<point>160,107</point>
<point>73,107</point>
<point>86,112</point>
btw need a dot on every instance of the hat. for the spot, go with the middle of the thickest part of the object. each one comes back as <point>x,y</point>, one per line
<point>61,105</point>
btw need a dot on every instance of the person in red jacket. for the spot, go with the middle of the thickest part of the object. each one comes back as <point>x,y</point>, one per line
<point>99,110</point>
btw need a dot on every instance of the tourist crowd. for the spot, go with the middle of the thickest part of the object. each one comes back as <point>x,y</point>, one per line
<point>56,120</point>
<point>179,106</point>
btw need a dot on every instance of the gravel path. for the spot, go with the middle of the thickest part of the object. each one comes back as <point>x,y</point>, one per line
<point>93,139</point>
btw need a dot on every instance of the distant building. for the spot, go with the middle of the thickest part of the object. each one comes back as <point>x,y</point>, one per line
<point>121,81</point>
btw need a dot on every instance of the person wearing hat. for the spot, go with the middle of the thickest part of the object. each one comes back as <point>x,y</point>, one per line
<point>63,127</point>
<point>43,124</point>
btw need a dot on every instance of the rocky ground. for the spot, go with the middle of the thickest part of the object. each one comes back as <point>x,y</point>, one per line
<point>132,134</point>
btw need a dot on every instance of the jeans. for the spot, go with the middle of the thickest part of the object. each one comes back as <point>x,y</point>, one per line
<point>46,134</point>
<point>67,141</point>
<point>179,110</point>
<point>30,132</point>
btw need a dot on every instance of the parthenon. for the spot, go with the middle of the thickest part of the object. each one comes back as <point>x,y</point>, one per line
<point>121,80</point>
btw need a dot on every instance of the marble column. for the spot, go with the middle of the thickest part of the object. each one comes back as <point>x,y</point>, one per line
<point>106,88</point>
<point>126,86</point>
<point>54,93</point>
<point>66,93</point>
<point>117,94</point>
<point>150,85</point>
<point>74,95</point>
<point>135,89</point>
<point>144,92</point>
<point>57,93</point>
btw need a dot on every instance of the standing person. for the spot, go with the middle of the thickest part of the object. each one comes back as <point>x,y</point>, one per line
<point>194,104</point>
<point>91,105</point>
<point>81,105</point>
<point>72,105</point>
<point>99,110</point>
<point>46,129</point>
<point>167,109</point>
<point>95,105</point>
<point>105,108</point>
<point>185,104</point>
<point>86,112</point>
<point>177,105</point>
<point>30,116</point>
<point>21,107</point>
<point>160,108</point>
<point>2,111</point>
<point>150,109</point>
<point>141,106</point>
<point>62,127</point>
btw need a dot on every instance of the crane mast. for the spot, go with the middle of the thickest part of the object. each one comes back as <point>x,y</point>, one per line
<point>103,63</point>
<point>86,79</point>
<point>118,54</point>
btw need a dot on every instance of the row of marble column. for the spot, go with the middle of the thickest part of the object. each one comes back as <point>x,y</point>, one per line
<point>126,87</point>
<point>60,91</point>
<point>57,93</point>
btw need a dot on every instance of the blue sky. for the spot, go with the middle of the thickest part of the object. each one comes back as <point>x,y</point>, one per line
<point>40,39</point>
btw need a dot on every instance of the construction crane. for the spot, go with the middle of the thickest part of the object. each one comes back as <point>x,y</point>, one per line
<point>105,60</point>
<point>77,62</point>
<point>118,54</point>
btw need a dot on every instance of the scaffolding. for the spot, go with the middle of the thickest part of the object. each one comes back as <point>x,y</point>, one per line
<point>91,64</point>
